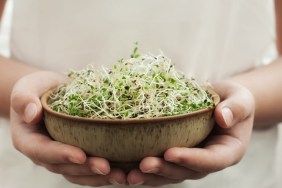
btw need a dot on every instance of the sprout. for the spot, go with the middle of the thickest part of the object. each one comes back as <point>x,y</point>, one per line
<point>144,86</point>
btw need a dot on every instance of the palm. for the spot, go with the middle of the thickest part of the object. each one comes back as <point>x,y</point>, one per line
<point>32,140</point>
<point>223,148</point>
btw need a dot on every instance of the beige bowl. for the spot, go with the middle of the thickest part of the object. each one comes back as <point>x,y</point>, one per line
<point>129,140</point>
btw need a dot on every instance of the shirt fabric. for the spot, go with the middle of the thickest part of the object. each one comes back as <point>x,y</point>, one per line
<point>209,40</point>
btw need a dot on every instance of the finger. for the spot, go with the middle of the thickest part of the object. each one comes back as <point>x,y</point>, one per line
<point>93,165</point>
<point>27,91</point>
<point>237,104</point>
<point>40,148</point>
<point>27,105</point>
<point>210,159</point>
<point>99,165</point>
<point>70,169</point>
<point>116,177</point>
<point>169,170</point>
<point>52,152</point>
<point>136,177</point>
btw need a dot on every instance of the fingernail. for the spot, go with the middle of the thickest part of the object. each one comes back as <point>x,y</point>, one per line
<point>227,116</point>
<point>97,171</point>
<point>153,170</point>
<point>135,184</point>
<point>30,112</point>
<point>74,160</point>
<point>174,160</point>
<point>114,182</point>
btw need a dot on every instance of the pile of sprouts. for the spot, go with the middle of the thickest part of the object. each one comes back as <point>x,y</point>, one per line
<point>143,86</point>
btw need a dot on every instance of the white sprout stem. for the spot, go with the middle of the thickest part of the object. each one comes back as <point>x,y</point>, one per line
<point>141,87</point>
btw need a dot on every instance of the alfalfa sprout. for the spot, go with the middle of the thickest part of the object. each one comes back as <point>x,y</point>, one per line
<point>143,86</point>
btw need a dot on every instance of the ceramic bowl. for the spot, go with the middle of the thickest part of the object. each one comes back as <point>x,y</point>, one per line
<point>129,141</point>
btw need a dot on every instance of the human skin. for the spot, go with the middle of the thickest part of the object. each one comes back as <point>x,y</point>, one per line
<point>278,13</point>
<point>226,146</point>
<point>193,163</point>
<point>242,95</point>
<point>265,85</point>
<point>227,143</point>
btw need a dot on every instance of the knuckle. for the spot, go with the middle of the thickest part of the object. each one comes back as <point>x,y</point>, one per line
<point>93,181</point>
<point>16,143</point>
<point>37,162</point>
<point>53,168</point>
<point>17,101</point>
<point>73,179</point>
<point>33,153</point>
<point>197,176</point>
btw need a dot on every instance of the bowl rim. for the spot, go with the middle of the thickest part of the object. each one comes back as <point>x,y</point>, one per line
<point>47,108</point>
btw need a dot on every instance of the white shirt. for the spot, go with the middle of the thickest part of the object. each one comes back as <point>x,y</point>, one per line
<point>209,40</point>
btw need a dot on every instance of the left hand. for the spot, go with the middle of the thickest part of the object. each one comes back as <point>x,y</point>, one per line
<point>223,148</point>
<point>30,137</point>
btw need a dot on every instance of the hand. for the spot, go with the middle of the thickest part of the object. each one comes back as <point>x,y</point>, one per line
<point>223,148</point>
<point>30,137</point>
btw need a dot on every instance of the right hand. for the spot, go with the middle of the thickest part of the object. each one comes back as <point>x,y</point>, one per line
<point>223,148</point>
<point>31,139</point>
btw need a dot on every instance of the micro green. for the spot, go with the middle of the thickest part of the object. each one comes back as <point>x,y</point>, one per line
<point>143,86</point>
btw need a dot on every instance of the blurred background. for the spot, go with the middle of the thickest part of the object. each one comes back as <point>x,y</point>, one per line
<point>5,29</point>
<point>4,50</point>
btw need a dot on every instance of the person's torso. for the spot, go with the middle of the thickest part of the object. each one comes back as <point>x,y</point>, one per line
<point>206,39</point>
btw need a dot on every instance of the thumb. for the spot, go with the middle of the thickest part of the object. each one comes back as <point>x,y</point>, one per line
<point>236,106</point>
<point>27,105</point>
<point>25,97</point>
